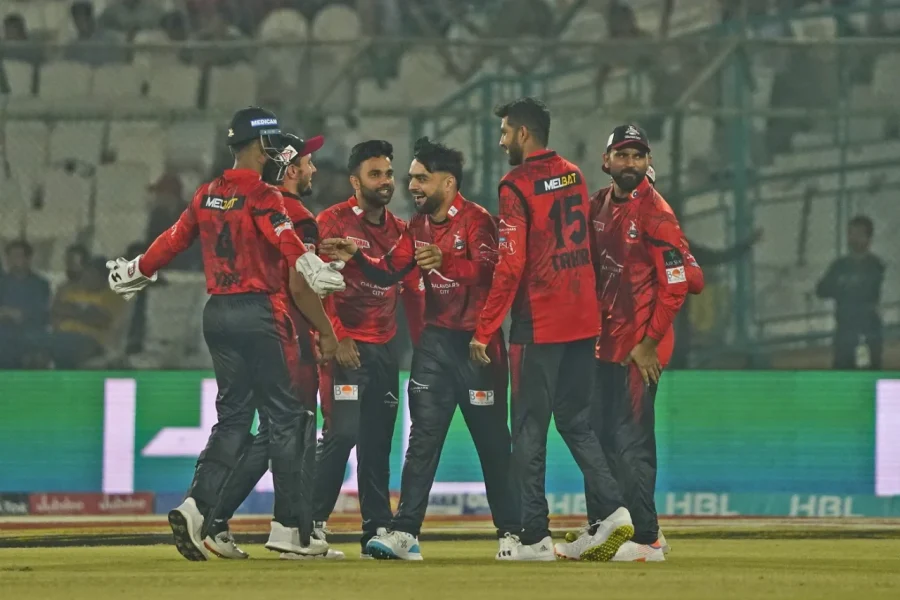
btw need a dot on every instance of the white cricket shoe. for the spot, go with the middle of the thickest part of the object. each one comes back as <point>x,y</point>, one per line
<point>396,545</point>
<point>631,552</point>
<point>599,542</point>
<point>186,522</point>
<point>222,545</point>
<point>317,550</point>
<point>514,549</point>
<point>662,542</point>
<point>285,539</point>
<point>364,553</point>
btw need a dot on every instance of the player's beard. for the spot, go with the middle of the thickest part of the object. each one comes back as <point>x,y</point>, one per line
<point>628,178</point>
<point>374,196</point>
<point>515,153</point>
<point>304,187</point>
<point>431,204</point>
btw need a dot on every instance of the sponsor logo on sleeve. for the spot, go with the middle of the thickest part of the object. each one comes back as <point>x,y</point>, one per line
<point>222,204</point>
<point>545,186</point>
<point>280,223</point>
<point>673,258</point>
<point>675,275</point>
<point>360,243</point>
<point>481,397</point>
<point>346,392</point>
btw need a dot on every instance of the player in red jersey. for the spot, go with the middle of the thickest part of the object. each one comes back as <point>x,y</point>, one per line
<point>644,272</point>
<point>360,389</point>
<point>245,235</point>
<point>545,276</point>
<point>454,244</point>
<point>293,181</point>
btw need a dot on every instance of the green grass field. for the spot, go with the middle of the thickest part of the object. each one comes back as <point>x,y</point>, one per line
<point>696,570</point>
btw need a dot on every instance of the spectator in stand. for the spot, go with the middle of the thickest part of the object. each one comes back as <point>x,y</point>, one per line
<point>89,39</point>
<point>217,27</point>
<point>854,283</point>
<point>130,16</point>
<point>85,317</point>
<point>14,30</point>
<point>24,301</point>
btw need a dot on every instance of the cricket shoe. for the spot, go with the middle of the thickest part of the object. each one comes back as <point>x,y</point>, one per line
<point>186,522</point>
<point>512,548</point>
<point>662,542</point>
<point>314,552</point>
<point>632,552</point>
<point>222,545</point>
<point>287,540</point>
<point>394,545</point>
<point>364,554</point>
<point>600,541</point>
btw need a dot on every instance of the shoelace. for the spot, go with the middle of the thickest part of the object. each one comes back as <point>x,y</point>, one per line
<point>226,537</point>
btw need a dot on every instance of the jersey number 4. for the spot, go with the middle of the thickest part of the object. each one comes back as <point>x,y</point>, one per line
<point>224,244</point>
<point>565,213</point>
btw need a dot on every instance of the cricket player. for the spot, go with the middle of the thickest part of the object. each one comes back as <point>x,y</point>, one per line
<point>454,244</point>
<point>360,389</point>
<point>642,262</point>
<point>546,277</point>
<point>245,233</point>
<point>293,181</point>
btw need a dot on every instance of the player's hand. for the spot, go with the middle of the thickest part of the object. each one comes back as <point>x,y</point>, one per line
<point>429,257</point>
<point>644,356</point>
<point>338,248</point>
<point>125,277</point>
<point>348,354</point>
<point>327,346</point>
<point>323,278</point>
<point>478,353</point>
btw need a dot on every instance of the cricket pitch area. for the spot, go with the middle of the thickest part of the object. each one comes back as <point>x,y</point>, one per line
<point>89,558</point>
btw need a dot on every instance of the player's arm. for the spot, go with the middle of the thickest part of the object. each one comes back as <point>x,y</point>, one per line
<point>828,287</point>
<point>482,243</point>
<point>171,242</point>
<point>692,270</point>
<point>663,243</point>
<point>412,293</point>
<point>309,303</point>
<point>271,219</point>
<point>384,271</point>
<point>508,272</point>
<point>329,227</point>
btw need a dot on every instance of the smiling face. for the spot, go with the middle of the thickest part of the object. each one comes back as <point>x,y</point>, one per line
<point>374,181</point>
<point>429,190</point>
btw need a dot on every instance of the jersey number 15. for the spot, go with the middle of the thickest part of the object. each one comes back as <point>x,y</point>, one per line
<point>565,213</point>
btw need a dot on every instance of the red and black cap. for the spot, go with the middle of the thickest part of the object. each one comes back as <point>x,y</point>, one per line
<point>293,147</point>
<point>252,123</point>
<point>628,135</point>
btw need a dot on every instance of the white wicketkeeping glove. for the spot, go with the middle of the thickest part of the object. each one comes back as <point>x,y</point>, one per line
<point>126,279</point>
<point>324,278</point>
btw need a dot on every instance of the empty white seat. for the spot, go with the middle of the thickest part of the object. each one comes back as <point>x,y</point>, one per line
<point>423,79</point>
<point>336,22</point>
<point>191,143</point>
<point>232,87</point>
<point>115,230</point>
<point>333,23</point>
<point>116,81</point>
<point>121,187</point>
<point>885,83</point>
<point>139,142</point>
<point>172,320</point>
<point>12,209</point>
<point>175,85</point>
<point>20,75</point>
<point>283,23</point>
<point>81,141</point>
<point>28,142</point>
<point>65,80</point>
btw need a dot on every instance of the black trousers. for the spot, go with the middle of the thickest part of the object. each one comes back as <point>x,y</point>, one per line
<point>360,409</point>
<point>556,380</point>
<point>254,351</point>
<point>623,417</point>
<point>442,377</point>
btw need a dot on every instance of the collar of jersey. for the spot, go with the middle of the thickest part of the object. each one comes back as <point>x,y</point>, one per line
<point>353,203</point>
<point>540,155</point>
<point>248,174</point>
<point>643,190</point>
<point>287,193</point>
<point>455,208</point>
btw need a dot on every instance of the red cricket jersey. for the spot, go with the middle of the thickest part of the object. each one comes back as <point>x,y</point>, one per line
<point>305,225</point>
<point>454,295</point>
<point>642,275</point>
<point>545,271</point>
<point>244,233</point>
<point>366,311</point>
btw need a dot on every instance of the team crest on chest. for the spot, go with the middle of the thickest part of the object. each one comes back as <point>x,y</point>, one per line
<point>458,242</point>
<point>632,232</point>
